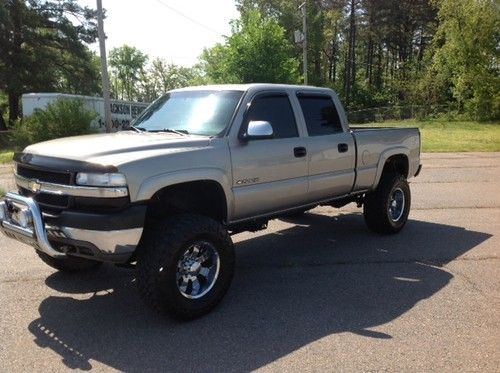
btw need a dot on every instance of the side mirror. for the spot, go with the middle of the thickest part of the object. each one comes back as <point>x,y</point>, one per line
<point>257,130</point>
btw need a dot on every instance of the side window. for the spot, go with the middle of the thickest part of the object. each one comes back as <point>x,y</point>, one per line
<point>278,112</point>
<point>320,114</point>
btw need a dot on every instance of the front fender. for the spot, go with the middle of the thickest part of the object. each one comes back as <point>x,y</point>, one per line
<point>153,184</point>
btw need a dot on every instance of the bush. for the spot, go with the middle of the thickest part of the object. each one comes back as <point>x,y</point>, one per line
<point>64,117</point>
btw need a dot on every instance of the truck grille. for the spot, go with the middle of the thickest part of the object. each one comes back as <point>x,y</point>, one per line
<point>52,200</point>
<point>43,175</point>
<point>47,201</point>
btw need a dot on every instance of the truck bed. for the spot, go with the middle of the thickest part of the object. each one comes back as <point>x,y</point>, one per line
<point>375,145</point>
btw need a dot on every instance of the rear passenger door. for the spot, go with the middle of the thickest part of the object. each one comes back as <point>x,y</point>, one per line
<point>330,148</point>
<point>269,174</point>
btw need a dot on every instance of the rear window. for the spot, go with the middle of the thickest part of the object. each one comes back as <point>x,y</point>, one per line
<point>320,114</point>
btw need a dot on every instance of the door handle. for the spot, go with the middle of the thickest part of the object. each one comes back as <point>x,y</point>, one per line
<point>343,148</point>
<point>299,152</point>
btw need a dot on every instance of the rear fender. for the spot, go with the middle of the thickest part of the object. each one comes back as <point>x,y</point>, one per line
<point>400,150</point>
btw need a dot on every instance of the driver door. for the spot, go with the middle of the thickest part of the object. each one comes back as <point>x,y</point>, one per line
<point>269,174</point>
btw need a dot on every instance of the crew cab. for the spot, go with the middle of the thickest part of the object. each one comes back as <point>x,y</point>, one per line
<point>198,165</point>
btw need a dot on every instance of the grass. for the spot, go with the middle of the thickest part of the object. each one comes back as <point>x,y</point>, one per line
<point>2,192</point>
<point>6,156</point>
<point>451,136</point>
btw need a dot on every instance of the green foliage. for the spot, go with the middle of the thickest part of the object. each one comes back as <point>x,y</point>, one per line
<point>395,53</point>
<point>4,105</point>
<point>257,51</point>
<point>465,63</point>
<point>6,156</point>
<point>80,74</point>
<point>60,119</point>
<point>370,51</point>
<point>43,49</point>
<point>127,67</point>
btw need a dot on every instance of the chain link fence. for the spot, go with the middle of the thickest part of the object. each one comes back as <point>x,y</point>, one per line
<point>381,114</point>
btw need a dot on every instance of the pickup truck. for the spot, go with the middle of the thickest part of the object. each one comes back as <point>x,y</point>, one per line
<point>198,165</point>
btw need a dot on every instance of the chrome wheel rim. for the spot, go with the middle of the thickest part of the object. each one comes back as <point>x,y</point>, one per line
<point>396,206</point>
<point>197,270</point>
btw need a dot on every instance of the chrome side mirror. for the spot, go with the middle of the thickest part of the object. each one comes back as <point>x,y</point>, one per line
<point>258,130</point>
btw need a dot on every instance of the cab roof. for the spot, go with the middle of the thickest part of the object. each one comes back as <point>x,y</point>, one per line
<point>252,87</point>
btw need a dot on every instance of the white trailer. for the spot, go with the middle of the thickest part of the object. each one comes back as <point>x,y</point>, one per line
<point>122,112</point>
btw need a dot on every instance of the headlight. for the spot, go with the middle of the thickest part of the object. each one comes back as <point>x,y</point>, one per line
<point>106,180</point>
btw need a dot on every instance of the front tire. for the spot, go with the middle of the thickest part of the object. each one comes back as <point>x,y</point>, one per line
<point>185,265</point>
<point>70,264</point>
<point>386,209</point>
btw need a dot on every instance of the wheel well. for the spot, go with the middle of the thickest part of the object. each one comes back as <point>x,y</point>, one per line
<point>204,197</point>
<point>397,163</point>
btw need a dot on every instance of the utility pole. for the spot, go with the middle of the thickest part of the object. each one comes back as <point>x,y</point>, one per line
<point>304,43</point>
<point>104,67</point>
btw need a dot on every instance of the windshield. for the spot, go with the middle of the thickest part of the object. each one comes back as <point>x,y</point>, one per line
<point>205,113</point>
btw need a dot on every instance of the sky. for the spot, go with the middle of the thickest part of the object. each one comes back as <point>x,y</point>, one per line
<point>175,30</point>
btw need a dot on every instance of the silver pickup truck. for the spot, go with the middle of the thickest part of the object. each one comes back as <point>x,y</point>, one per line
<point>198,165</point>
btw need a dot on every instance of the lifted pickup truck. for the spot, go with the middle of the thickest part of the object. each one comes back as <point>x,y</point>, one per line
<point>198,165</point>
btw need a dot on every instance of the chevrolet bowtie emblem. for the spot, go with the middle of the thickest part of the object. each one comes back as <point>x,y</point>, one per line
<point>34,186</point>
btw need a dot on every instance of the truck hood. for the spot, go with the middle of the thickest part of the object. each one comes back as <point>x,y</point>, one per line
<point>115,148</point>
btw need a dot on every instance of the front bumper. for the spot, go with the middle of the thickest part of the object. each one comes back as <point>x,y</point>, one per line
<point>104,237</point>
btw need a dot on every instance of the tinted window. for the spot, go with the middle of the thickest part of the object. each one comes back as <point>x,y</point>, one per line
<point>278,112</point>
<point>320,114</point>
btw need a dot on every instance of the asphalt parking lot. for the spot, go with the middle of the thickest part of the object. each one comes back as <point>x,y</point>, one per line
<point>310,294</point>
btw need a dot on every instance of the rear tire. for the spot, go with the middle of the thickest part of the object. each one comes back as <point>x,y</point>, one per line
<point>70,263</point>
<point>185,265</point>
<point>386,209</point>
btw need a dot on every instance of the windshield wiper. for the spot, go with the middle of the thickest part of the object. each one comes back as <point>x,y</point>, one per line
<point>171,130</point>
<point>137,129</point>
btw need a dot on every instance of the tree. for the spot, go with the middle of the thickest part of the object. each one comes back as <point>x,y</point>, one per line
<point>127,67</point>
<point>215,64</point>
<point>370,51</point>
<point>257,51</point>
<point>80,74</point>
<point>160,77</point>
<point>39,44</point>
<point>3,107</point>
<point>287,14</point>
<point>350,60</point>
<point>466,56</point>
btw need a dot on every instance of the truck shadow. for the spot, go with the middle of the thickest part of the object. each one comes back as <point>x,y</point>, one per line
<point>291,288</point>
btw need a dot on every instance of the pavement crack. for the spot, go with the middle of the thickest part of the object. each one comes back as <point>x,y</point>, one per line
<point>459,167</point>
<point>467,279</point>
<point>457,208</point>
<point>419,182</point>
<point>435,262</point>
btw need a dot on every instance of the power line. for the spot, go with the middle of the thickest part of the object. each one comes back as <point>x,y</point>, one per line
<point>178,12</point>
